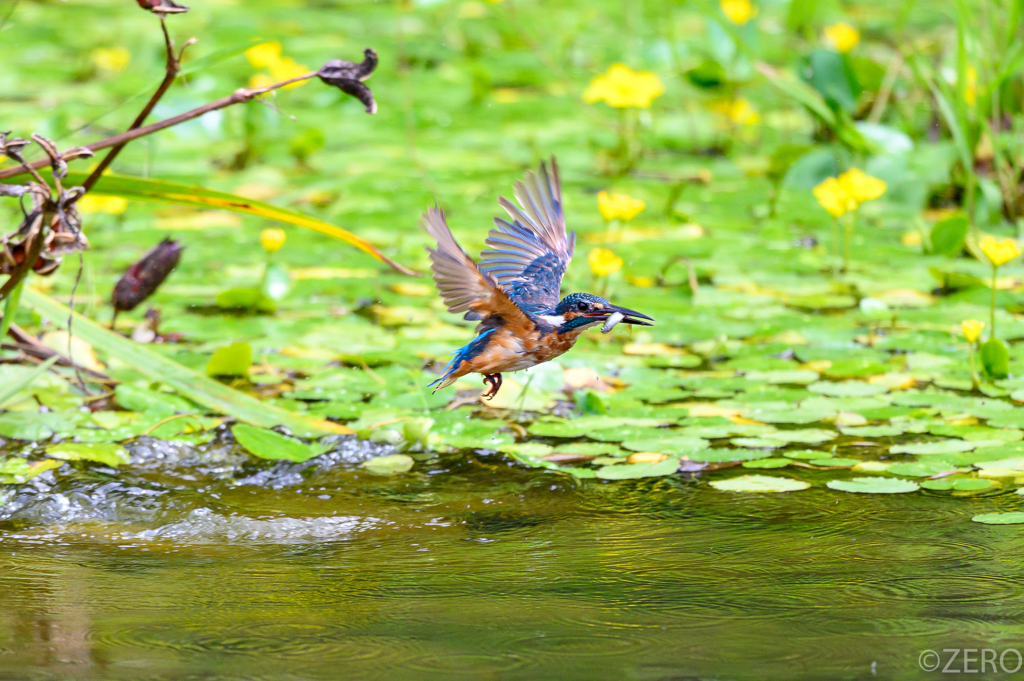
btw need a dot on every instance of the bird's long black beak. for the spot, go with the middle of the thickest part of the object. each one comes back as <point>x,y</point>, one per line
<point>633,317</point>
<point>628,316</point>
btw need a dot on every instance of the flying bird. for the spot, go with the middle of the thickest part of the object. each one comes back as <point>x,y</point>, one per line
<point>514,290</point>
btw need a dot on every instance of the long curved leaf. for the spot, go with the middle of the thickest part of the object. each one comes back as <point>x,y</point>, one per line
<point>171,192</point>
<point>200,389</point>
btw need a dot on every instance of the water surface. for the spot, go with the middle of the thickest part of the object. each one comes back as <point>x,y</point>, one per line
<point>209,566</point>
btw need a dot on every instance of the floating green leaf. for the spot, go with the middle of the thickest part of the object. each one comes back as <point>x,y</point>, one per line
<point>767,463</point>
<point>760,484</point>
<point>877,485</point>
<point>230,360</point>
<point>108,454</point>
<point>392,464</point>
<point>1011,518</point>
<point>266,444</point>
<point>995,358</point>
<point>957,484</point>
<point>629,471</point>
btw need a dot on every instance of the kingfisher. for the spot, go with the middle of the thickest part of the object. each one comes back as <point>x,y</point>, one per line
<point>513,292</point>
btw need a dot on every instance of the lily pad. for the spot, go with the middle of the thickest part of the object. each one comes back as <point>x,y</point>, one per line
<point>393,464</point>
<point>957,484</point>
<point>922,469</point>
<point>267,444</point>
<point>834,462</point>
<point>872,431</point>
<point>760,484</point>
<point>767,463</point>
<point>669,445</point>
<point>940,447</point>
<point>846,389</point>
<point>629,471</point>
<point>877,485</point>
<point>757,443</point>
<point>108,454</point>
<point>1011,518</point>
<point>724,455</point>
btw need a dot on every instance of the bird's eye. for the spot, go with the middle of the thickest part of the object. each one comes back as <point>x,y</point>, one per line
<point>581,307</point>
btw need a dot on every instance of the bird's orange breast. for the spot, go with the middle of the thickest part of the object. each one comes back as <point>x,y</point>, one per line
<point>507,351</point>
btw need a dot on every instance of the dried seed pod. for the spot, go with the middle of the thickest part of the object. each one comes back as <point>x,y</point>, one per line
<point>145,276</point>
<point>60,168</point>
<point>11,147</point>
<point>348,77</point>
<point>162,6</point>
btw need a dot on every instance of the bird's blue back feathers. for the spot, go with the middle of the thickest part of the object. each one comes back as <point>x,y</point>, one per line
<point>468,351</point>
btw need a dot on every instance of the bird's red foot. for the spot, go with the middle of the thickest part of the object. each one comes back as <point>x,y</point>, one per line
<point>494,383</point>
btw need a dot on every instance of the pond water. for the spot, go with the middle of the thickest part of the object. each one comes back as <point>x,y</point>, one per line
<point>206,564</point>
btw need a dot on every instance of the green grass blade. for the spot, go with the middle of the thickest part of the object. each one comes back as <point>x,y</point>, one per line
<point>197,387</point>
<point>216,57</point>
<point>10,307</point>
<point>945,110</point>
<point>7,392</point>
<point>171,192</point>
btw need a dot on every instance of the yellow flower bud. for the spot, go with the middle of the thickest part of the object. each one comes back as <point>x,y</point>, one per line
<point>619,206</point>
<point>842,36</point>
<point>603,262</point>
<point>972,329</point>
<point>272,240</point>
<point>998,251</point>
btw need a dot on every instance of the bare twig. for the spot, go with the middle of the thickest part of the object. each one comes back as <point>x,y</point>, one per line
<point>172,69</point>
<point>30,345</point>
<point>237,97</point>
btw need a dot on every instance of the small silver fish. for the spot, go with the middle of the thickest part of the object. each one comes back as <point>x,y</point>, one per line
<point>610,323</point>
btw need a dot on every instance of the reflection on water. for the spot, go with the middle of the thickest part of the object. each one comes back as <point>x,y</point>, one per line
<point>202,565</point>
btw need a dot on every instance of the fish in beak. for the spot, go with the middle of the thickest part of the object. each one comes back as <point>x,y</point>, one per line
<point>615,315</point>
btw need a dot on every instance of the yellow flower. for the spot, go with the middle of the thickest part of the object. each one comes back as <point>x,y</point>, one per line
<point>739,111</point>
<point>972,329</point>
<point>998,251</point>
<point>842,36</point>
<point>268,56</point>
<point>272,240</point>
<point>288,68</point>
<point>98,203</point>
<point>623,87</point>
<point>113,60</point>
<point>619,206</point>
<point>261,80</point>
<point>738,12</point>
<point>834,197</point>
<point>912,238</point>
<point>603,262</point>
<point>264,55</point>
<point>971,87</point>
<point>860,186</point>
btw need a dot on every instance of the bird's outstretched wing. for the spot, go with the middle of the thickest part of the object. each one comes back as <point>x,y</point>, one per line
<point>463,286</point>
<point>528,256</point>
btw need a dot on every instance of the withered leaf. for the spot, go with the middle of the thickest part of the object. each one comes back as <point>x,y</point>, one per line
<point>145,276</point>
<point>348,77</point>
<point>12,189</point>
